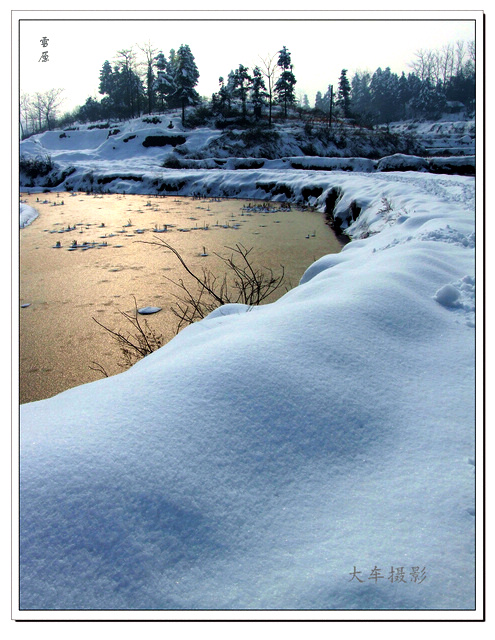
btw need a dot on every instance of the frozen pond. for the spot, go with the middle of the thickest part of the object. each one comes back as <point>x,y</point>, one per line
<point>86,256</point>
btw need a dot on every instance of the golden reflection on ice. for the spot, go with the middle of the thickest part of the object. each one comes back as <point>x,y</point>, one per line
<point>89,255</point>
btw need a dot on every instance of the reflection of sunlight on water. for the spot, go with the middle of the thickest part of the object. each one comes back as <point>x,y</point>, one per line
<point>88,256</point>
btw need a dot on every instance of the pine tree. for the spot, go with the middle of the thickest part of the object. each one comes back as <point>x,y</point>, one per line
<point>115,85</point>
<point>384,89</point>
<point>361,97</point>
<point>327,98</point>
<point>107,80</point>
<point>172,62</point>
<point>284,87</point>
<point>129,86</point>
<point>392,109</point>
<point>231,82</point>
<point>403,94</point>
<point>344,94</point>
<point>242,82</point>
<point>414,85</point>
<point>430,102</point>
<point>462,87</point>
<point>319,101</point>
<point>223,98</point>
<point>186,77</point>
<point>90,111</point>
<point>164,82</point>
<point>258,91</point>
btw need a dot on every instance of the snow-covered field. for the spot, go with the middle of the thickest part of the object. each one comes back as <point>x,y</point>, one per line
<point>314,453</point>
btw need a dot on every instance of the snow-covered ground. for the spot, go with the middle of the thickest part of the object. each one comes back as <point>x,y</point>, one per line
<point>313,453</point>
<point>26,215</point>
<point>131,156</point>
<point>450,135</point>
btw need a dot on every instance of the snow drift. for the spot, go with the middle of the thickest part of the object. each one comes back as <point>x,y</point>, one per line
<point>26,215</point>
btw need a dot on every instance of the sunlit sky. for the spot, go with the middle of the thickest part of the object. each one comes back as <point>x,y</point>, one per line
<point>320,48</point>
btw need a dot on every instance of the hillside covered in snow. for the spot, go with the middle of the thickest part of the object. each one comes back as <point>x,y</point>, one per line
<point>141,155</point>
<point>316,453</point>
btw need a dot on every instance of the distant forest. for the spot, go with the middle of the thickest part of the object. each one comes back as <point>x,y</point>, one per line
<point>147,82</point>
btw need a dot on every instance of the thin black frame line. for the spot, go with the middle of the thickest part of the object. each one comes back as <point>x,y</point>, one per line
<point>471,19</point>
<point>475,20</point>
<point>284,11</point>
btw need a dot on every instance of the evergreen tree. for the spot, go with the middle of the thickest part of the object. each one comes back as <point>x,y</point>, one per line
<point>318,101</point>
<point>112,103</point>
<point>392,111</point>
<point>462,88</point>
<point>242,83</point>
<point>107,80</point>
<point>258,91</point>
<point>322,102</point>
<point>164,82</point>
<point>327,98</point>
<point>403,95</point>
<point>414,85</point>
<point>284,87</point>
<point>230,86</point>
<point>361,97</point>
<point>129,89</point>
<point>186,77</point>
<point>224,98</point>
<point>344,94</point>
<point>90,111</point>
<point>384,87</point>
<point>430,102</point>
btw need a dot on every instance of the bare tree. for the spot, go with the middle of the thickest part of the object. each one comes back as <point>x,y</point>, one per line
<point>37,110</point>
<point>242,283</point>
<point>40,110</point>
<point>133,346</point>
<point>24,113</point>
<point>51,101</point>
<point>471,51</point>
<point>441,65</point>
<point>460,54</point>
<point>270,70</point>
<point>447,62</point>
<point>149,53</point>
<point>424,63</point>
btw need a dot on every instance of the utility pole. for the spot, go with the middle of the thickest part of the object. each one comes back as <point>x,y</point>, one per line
<point>331,105</point>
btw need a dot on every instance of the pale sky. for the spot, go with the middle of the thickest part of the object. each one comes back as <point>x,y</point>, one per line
<point>320,48</point>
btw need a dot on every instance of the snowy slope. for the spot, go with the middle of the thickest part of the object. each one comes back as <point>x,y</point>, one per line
<point>261,460</point>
